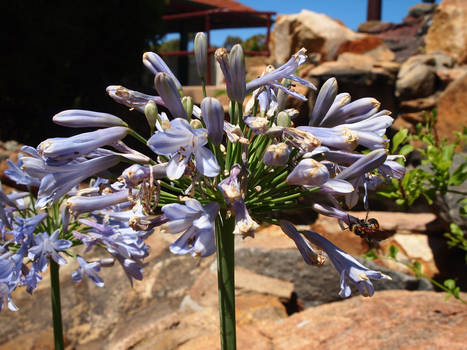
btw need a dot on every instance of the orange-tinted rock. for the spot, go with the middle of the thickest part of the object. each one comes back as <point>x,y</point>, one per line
<point>448,31</point>
<point>388,320</point>
<point>319,34</point>
<point>452,107</point>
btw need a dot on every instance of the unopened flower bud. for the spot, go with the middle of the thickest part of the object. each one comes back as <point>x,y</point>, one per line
<point>107,262</point>
<point>201,53</point>
<point>166,87</point>
<point>187,103</point>
<point>283,119</point>
<point>213,116</point>
<point>276,155</point>
<point>237,69</point>
<point>196,124</point>
<point>151,113</point>
<point>308,172</point>
<point>156,65</point>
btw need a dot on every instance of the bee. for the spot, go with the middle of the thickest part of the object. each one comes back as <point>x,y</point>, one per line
<point>369,230</point>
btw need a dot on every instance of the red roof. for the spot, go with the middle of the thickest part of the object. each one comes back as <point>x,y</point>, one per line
<point>227,4</point>
<point>224,14</point>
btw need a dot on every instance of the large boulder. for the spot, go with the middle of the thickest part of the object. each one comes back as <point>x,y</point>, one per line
<point>452,108</point>
<point>417,76</point>
<point>317,33</point>
<point>448,31</point>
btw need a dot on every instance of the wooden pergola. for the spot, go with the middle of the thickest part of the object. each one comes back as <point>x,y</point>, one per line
<point>186,16</point>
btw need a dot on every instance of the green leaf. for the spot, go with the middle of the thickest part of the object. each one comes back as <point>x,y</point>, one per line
<point>400,201</point>
<point>398,139</point>
<point>393,251</point>
<point>450,284</point>
<point>370,255</point>
<point>406,149</point>
<point>459,175</point>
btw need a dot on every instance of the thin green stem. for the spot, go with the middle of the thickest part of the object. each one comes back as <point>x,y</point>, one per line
<point>226,280</point>
<point>56,305</point>
<point>203,84</point>
<point>137,136</point>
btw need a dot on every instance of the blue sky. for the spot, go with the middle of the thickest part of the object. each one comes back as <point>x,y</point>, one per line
<point>351,12</point>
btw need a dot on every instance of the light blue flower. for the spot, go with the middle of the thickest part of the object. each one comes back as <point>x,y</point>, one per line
<point>166,87</point>
<point>312,173</point>
<point>347,266</point>
<point>18,175</point>
<point>23,228</point>
<point>233,67</point>
<point>61,179</point>
<point>80,118</point>
<point>67,149</point>
<point>156,65</point>
<point>286,71</point>
<point>181,142</point>
<point>90,269</point>
<point>131,98</point>
<point>86,204</point>
<point>310,256</point>
<point>125,244</point>
<point>46,247</point>
<point>197,222</point>
<point>201,53</point>
<point>5,296</point>
<point>233,194</point>
<point>213,116</point>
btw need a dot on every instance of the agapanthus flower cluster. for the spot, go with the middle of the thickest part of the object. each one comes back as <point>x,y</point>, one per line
<point>202,166</point>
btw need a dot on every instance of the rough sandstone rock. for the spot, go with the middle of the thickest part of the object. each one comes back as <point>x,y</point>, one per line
<point>448,32</point>
<point>417,76</point>
<point>318,33</point>
<point>452,107</point>
<point>389,320</point>
<point>374,27</point>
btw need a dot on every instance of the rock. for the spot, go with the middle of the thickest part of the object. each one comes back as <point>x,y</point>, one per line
<point>388,320</point>
<point>315,285</point>
<point>203,293</point>
<point>448,75</point>
<point>447,206</point>
<point>413,247</point>
<point>417,81</point>
<point>374,27</point>
<point>452,107</point>
<point>356,61</point>
<point>448,32</point>
<point>369,45</point>
<point>421,10</point>
<point>419,104</point>
<point>317,33</point>
<point>417,78</point>
<point>90,313</point>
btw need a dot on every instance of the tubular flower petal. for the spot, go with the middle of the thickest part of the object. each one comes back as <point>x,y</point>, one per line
<point>79,118</point>
<point>132,99</point>
<point>198,224</point>
<point>233,68</point>
<point>286,71</point>
<point>347,266</point>
<point>305,249</point>
<point>213,116</point>
<point>66,149</point>
<point>181,142</point>
<point>201,53</point>
<point>156,65</point>
<point>167,88</point>
<point>276,155</point>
